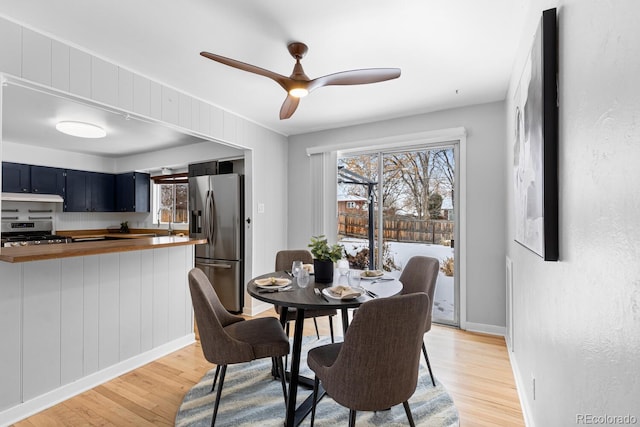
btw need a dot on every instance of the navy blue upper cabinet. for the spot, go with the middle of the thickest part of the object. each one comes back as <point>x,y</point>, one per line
<point>89,192</point>
<point>78,194</point>
<point>46,180</point>
<point>133,191</point>
<point>16,178</point>
<point>21,178</point>
<point>103,192</point>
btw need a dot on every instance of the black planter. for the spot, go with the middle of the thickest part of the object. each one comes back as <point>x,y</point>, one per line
<point>323,270</point>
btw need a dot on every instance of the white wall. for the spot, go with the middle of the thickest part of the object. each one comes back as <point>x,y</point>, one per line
<point>577,321</point>
<point>485,193</point>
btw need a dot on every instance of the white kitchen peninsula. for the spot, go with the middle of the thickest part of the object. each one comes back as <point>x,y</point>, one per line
<point>69,323</point>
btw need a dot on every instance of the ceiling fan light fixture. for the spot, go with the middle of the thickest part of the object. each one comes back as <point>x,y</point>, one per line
<point>299,92</point>
<point>81,129</point>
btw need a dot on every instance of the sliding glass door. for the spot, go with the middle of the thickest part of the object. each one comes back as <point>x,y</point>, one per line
<point>393,205</point>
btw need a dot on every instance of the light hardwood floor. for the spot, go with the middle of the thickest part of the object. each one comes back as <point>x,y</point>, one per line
<point>474,368</point>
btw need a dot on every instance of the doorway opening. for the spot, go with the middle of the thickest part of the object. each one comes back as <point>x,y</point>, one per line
<point>402,203</point>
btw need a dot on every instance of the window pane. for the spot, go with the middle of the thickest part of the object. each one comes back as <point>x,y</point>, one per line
<point>181,205</point>
<point>171,203</point>
<point>166,202</point>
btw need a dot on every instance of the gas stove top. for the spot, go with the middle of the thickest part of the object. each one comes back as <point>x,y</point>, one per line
<point>27,233</point>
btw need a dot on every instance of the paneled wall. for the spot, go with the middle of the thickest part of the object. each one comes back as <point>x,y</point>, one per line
<point>27,54</point>
<point>37,58</point>
<point>65,319</point>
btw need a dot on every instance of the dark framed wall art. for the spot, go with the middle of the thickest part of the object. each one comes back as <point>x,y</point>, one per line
<point>535,172</point>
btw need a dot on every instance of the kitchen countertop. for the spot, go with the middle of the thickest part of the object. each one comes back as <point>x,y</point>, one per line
<point>66,250</point>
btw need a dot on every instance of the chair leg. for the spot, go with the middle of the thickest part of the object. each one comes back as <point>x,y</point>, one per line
<point>315,322</point>
<point>282,379</point>
<point>424,351</point>
<point>407,410</point>
<point>223,371</point>
<point>331,328</point>
<point>316,383</point>
<point>352,418</point>
<point>215,378</point>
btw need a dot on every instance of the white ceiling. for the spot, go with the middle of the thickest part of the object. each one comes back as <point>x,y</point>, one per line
<point>30,117</point>
<point>451,52</point>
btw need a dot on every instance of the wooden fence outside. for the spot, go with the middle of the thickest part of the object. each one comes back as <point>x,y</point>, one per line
<point>398,229</point>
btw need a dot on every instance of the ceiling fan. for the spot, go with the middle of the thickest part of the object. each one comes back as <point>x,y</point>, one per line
<point>299,85</point>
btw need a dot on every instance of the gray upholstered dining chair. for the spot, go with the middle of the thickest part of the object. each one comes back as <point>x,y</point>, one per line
<point>376,367</point>
<point>284,259</point>
<point>228,339</point>
<point>420,275</point>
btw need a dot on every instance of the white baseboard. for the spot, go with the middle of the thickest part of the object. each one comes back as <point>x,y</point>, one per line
<point>520,386</point>
<point>485,329</point>
<point>256,309</point>
<point>44,401</point>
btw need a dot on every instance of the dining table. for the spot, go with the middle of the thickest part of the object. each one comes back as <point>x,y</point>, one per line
<point>313,296</point>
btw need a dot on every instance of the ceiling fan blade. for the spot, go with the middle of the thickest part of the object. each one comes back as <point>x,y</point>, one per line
<point>278,78</point>
<point>289,107</point>
<point>355,77</point>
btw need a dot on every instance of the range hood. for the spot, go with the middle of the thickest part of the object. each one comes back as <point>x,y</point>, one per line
<point>31,197</point>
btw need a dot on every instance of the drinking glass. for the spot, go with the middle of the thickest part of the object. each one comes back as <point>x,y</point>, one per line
<point>354,278</point>
<point>296,267</point>
<point>343,267</point>
<point>303,278</point>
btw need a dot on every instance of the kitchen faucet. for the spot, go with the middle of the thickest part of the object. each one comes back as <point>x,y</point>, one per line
<point>169,228</point>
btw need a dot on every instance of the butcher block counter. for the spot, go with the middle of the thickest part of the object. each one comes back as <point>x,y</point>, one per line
<point>66,250</point>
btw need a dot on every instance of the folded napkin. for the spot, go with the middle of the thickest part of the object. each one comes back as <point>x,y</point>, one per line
<point>344,292</point>
<point>308,267</point>
<point>372,273</point>
<point>272,281</point>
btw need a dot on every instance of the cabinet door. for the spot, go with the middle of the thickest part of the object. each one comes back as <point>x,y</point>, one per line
<point>103,192</point>
<point>46,180</point>
<point>133,192</point>
<point>78,193</point>
<point>125,192</point>
<point>143,192</point>
<point>16,178</point>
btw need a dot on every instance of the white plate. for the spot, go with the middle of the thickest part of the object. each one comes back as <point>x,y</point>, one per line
<point>378,275</point>
<point>327,293</point>
<point>280,282</point>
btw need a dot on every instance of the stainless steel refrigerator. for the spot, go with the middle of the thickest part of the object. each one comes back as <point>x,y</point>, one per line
<point>217,213</point>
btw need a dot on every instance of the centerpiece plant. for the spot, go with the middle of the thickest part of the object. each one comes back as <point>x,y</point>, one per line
<point>325,256</point>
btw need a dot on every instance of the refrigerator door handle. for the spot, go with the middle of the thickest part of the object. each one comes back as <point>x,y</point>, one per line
<point>212,203</point>
<point>214,265</point>
<point>208,218</point>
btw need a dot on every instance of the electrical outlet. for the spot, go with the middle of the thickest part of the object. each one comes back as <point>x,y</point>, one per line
<point>260,207</point>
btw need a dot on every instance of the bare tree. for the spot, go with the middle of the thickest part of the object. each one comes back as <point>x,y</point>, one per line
<point>411,179</point>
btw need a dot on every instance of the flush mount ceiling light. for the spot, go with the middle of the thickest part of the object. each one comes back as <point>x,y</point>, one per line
<point>81,129</point>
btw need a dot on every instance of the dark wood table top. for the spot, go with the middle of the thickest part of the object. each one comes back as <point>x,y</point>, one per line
<point>307,299</point>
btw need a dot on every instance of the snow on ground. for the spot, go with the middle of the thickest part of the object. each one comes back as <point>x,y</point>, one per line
<point>443,300</point>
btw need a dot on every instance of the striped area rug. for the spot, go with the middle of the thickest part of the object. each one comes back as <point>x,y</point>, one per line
<point>250,397</point>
